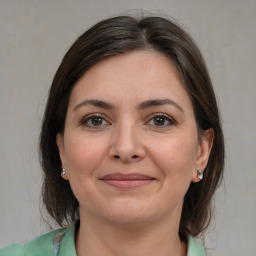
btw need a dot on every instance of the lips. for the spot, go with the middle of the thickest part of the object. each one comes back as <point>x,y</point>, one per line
<point>127,181</point>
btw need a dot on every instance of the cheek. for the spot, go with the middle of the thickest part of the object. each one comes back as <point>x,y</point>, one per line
<point>84,154</point>
<point>176,157</point>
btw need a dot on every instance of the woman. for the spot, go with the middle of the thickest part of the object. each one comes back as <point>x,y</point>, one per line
<point>131,144</point>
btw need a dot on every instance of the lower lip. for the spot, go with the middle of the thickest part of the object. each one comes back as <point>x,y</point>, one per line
<point>126,184</point>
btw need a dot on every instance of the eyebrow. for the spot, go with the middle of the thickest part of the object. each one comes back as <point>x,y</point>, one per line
<point>159,102</point>
<point>96,103</point>
<point>143,105</point>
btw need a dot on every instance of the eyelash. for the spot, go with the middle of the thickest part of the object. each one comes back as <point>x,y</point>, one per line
<point>85,121</point>
<point>89,118</point>
<point>165,117</point>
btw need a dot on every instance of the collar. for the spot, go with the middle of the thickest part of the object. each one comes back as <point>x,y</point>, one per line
<point>64,243</point>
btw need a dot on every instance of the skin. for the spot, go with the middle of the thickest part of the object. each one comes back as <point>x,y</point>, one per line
<point>125,136</point>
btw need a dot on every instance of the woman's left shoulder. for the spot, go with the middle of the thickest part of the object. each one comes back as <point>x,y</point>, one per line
<point>195,248</point>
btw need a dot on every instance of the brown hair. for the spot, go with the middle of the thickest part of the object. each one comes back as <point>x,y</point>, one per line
<point>120,35</point>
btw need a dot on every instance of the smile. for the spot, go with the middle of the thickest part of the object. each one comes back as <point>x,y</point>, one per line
<point>126,181</point>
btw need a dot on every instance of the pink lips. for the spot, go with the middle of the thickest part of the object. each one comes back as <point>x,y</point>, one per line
<point>126,181</point>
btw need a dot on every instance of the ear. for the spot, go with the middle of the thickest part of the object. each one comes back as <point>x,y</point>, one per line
<point>60,145</point>
<point>203,152</point>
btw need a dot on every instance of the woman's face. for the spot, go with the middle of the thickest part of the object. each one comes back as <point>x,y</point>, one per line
<point>130,144</point>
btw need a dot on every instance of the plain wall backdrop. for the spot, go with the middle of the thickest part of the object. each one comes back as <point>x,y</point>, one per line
<point>34,36</point>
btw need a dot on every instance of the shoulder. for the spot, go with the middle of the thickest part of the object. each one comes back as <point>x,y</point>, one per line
<point>40,246</point>
<point>195,248</point>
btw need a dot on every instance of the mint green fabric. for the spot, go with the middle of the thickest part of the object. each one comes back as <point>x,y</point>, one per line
<point>61,243</point>
<point>195,248</point>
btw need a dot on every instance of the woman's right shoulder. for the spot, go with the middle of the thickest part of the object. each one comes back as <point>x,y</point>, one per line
<point>14,249</point>
<point>40,246</point>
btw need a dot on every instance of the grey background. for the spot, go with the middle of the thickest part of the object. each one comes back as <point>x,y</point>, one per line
<point>34,37</point>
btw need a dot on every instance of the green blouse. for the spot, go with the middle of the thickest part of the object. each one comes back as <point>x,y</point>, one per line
<point>61,243</point>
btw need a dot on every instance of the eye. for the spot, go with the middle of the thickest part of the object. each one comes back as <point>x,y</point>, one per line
<point>161,120</point>
<point>94,121</point>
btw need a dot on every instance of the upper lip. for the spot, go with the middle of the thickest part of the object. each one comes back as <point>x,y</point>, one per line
<point>129,176</point>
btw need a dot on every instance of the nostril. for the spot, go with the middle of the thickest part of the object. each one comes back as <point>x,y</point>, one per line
<point>117,156</point>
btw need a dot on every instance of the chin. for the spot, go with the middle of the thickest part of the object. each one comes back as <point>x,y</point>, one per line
<point>128,220</point>
<point>129,214</point>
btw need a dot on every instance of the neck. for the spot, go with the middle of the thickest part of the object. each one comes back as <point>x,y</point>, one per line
<point>155,238</point>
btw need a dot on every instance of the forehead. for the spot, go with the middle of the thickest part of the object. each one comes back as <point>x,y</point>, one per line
<point>148,64</point>
<point>139,75</point>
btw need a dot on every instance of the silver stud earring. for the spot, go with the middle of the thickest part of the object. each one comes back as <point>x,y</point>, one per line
<point>63,171</point>
<point>200,174</point>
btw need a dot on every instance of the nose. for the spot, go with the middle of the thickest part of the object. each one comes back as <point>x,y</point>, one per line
<point>127,144</point>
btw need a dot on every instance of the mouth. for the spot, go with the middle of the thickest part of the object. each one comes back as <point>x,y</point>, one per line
<point>127,181</point>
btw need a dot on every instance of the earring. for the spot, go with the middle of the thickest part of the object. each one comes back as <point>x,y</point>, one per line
<point>63,171</point>
<point>200,174</point>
